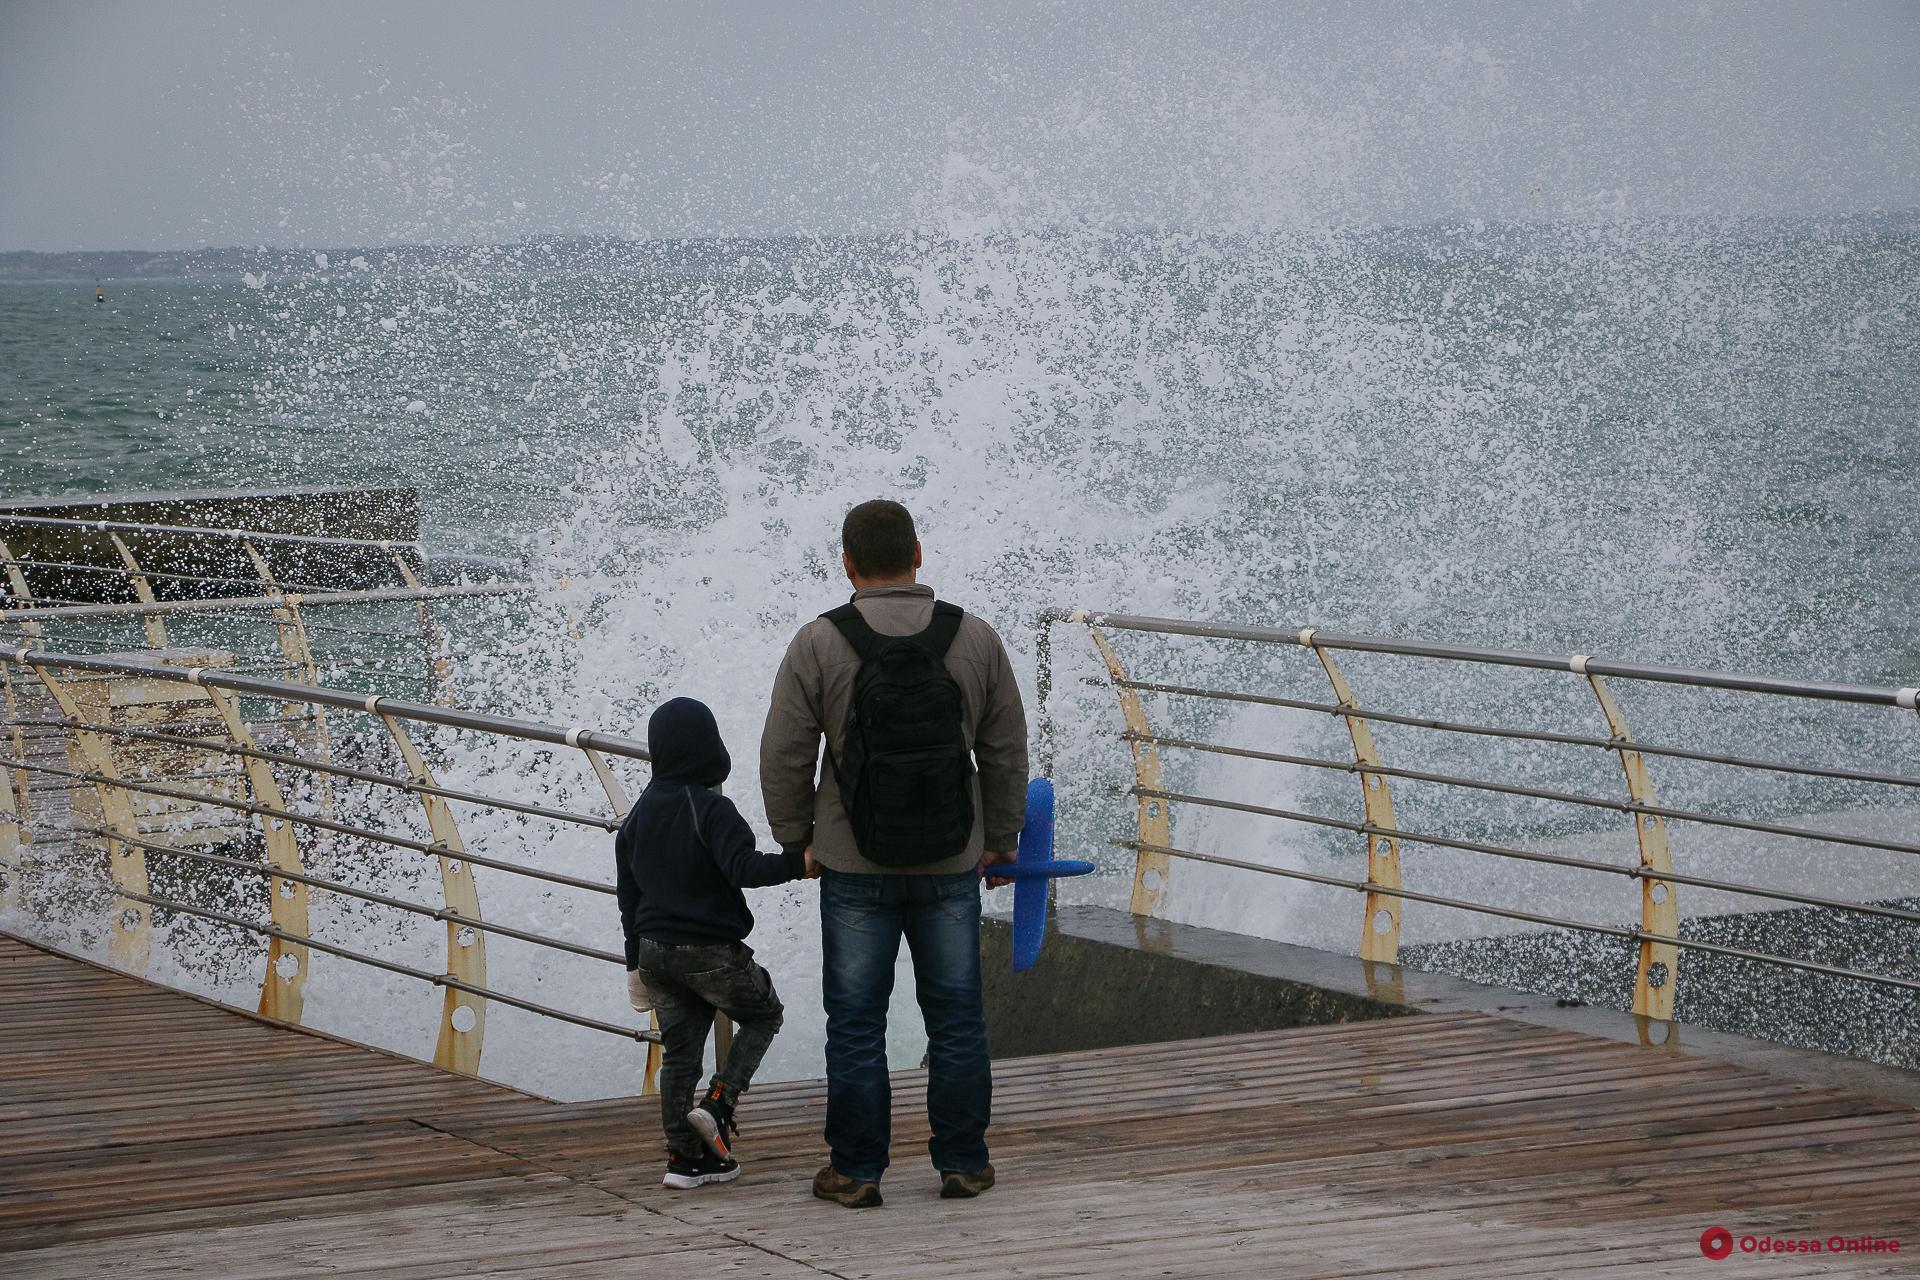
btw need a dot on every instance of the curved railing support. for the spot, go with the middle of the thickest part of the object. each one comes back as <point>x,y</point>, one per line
<point>290,628</point>
<point>129,937</point>
<point>464,1014</point>
<point>283,985</point>
<point>260,566</point>
<point>621,802</point>
<point>649,1079</point>
<point>143,592</point>
<point>1657,972</point>
<point>295,646</point>
<point>14,798</point>
<point>1150,869</point>
<point>17,582</point>
<point>437,668</point>
<point>1380,928</point>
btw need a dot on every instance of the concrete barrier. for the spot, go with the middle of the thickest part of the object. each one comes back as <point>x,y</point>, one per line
<point>1112,978</point>
<point>377,514</point>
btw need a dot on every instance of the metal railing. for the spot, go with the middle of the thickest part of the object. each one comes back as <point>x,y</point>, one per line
<point>299,644</point>
<point>1657,936</point>
<point>94,755</point>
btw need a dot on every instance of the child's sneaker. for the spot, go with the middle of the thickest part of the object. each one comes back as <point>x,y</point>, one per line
<point>687,1172</point>
<point>712,1119</point>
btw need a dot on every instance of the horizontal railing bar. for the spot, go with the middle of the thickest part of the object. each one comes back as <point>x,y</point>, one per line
<point>29,601</point>
<point>164,575</point>
<point>1367,886</point>
<point>1480,908</point>
<point>437,979</point>
<point>1631,871</point>
<point>271,872</point>
<point>1258,810</point>
<point>578,1020</point>
<point>323,664</point>
<point>373,704</point>
<point>247,604</point>
<point>308,820</point>
<point>1602,802</point>
<point>17,634</point>
<point>1227,695</point>
<point>336,770</point>
<point>1239,753</point>
<point>364,632</point>
<point>236,535</point>
<point>1314,638</point>
<point>1526,735</point>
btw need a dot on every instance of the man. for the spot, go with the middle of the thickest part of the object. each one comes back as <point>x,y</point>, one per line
<point>916,800</point>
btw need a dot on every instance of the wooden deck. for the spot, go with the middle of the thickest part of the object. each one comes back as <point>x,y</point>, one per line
<point>144,1133</point>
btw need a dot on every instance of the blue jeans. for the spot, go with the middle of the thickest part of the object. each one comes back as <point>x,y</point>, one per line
<point>862,919</point>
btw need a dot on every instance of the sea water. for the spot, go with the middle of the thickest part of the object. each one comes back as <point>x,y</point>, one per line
<point>1684,441</point>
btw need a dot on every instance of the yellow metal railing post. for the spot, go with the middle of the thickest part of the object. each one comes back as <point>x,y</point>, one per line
<point>621,802</point>
<point>1380,929</point>
<point>283,985</point>
<point>15,796</point>
<point>463,1015</point>
<point>12,802</point>
<point>143,591</point>
<point>1657,971</point>
<point>17,582</point>
<point>1151,870</point>
<point>290,627</point>
<point>129,938</point>
<point>437,667</point>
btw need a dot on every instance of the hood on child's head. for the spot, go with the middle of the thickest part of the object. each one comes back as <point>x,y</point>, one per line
<point>684,741</point>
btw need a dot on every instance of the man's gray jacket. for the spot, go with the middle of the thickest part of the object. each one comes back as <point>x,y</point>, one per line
<point>811,696</point>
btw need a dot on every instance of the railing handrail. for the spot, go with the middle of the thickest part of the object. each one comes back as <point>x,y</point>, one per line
<point>212,531</point>
<point>372,703</point>
<point>255,809</point>
<point>1533,917</point>
<point>1521,735</point>
<point>1579,664</point>
<point>122,571</point>
<point>267,601</point>
<point>1658,936</point>
<point>215,747</point>
<point>290,938</point>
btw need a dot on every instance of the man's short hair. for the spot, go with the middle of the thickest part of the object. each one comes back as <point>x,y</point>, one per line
<point>878,537</point>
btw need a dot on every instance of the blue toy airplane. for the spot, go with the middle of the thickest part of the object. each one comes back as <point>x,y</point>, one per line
<point>1035,866</point>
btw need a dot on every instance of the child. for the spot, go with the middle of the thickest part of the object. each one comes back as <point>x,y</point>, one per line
<point>683,854</point>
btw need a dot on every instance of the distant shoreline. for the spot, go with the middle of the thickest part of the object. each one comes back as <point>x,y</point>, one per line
<point>603,252</point>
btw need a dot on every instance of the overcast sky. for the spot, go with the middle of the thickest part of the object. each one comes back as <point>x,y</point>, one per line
<point>144,125</point>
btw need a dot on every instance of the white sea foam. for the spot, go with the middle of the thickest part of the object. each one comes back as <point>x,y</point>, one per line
<point>1677,441</point>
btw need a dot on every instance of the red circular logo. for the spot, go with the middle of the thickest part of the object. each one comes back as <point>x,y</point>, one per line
<point>1716,1242</point>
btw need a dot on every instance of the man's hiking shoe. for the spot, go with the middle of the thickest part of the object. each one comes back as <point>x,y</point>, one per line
<point>957,1185</point>
<point>712,1119</point>
<point>684,1173</point>
<point>831,1184</point>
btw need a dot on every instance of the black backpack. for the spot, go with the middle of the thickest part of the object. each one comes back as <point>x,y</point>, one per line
<point>904,770</point>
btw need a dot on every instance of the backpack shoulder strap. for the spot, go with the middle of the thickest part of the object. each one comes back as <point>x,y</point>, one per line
<point>935,640</point>
<point>940,633</point>
<point>864,639</point>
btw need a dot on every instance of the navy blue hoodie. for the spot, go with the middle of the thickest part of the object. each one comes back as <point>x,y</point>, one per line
<point>683,853</point>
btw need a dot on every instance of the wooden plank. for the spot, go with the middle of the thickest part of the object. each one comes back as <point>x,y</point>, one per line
<point>145,1133</point>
